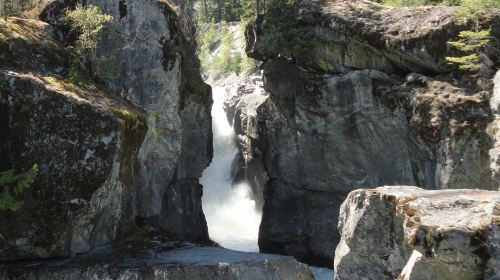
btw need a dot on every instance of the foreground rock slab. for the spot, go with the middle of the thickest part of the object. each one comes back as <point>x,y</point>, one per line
<point>188,262</point>
<point>458,231</point>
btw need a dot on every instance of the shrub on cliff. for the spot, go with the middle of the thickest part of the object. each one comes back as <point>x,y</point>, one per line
<point>12,185</point>
<point>471,43</point>
<point>281,31</point>
<point>88,22</point>
<point>11,8</point>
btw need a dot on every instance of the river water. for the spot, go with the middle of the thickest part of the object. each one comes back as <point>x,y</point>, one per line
<point>232,219</point>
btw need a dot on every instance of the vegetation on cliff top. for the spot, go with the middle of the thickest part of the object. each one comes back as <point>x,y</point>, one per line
<point>88,22</point>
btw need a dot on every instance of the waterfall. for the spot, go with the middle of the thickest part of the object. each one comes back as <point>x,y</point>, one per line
<point>232,219</point>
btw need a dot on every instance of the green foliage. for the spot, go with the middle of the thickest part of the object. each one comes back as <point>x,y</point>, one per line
<point>76,75</point>
<point>218,39</point>
<point>210,37</point>
<point>468,63</point>
<point>469,44</point>
<point>471,41</point>
<point>248,64</point>
<point>88,22</point>
<point>472,10</point>
<point>282,32</point>
<point>15,7</point>
<point>12,184</point>
<point>215,11</point>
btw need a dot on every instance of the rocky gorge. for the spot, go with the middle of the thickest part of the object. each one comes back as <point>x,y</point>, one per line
<point>359,150</point>
<point>371,103</point>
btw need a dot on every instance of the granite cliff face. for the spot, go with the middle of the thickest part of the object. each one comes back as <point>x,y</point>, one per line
<point>85,141</point>
<point>373,104</point>
<point>132,145</point>
<point>148,57</point>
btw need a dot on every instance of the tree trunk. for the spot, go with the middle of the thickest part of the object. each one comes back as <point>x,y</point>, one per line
<point>219,10</point>
<point>206,10</point>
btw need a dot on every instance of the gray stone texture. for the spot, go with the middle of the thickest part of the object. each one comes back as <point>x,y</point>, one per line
<point>457,231</point>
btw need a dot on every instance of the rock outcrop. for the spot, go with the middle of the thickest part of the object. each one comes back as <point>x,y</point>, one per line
<point>457,231</point>
<point>361,34</point>
<point>168,260</point>
<point>242,101</point>
<point>354,114</point>
<point>148,57</point>
<point>85,142</point>
<point>130,145</point>
<point>494,129</point>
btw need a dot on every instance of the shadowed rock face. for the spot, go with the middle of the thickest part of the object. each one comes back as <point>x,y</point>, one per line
<point>148,57</point>
<point>363,121</point>
<point>134,146</point>
<point>84,140</point>
<point>456,230</point>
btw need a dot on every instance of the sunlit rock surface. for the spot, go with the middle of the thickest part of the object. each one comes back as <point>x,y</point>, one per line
<point>458,231</point>
<point>370,103</point>
<point>321,136</point>
<point>163,261</point>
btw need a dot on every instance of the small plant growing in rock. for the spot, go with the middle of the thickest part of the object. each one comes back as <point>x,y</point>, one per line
<point>89,22</point>
<point>12,184</point>
<point>471,42</point>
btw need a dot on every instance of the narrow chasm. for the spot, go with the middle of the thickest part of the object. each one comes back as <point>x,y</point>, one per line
<point>231,205</point>
<point>232,216</point>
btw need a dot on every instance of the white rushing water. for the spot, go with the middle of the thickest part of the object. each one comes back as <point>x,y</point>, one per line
<point>232,219</point>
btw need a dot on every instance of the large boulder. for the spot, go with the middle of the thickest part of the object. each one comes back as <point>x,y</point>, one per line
<point>84,140</point>
<point>86,145</point>
<point>457,231</point>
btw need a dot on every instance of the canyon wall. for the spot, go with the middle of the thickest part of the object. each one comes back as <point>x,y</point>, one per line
<point>129,146</point>
<point>371,103</point>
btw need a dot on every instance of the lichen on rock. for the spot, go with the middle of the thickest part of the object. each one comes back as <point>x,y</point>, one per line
<point>455,230</point>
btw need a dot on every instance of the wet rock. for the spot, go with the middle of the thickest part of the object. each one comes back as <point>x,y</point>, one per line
<point>241,106</point>
<point>456,230</point>
<point>165,261</point>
